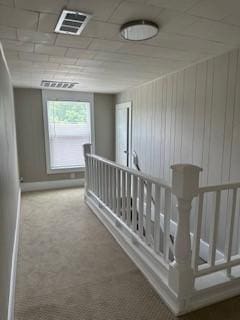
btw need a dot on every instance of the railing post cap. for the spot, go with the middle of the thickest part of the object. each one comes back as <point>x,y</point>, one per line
<point>183,167</point>
<point>87,148</point>
<point>185,180</point>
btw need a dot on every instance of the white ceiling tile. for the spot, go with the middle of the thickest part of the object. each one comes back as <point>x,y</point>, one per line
<point>18,18</point>
<point>73,41</point>
<point>70,68</point>
<point>132,68</point>
<point>128,11</point>
<point>187,43</point>
<point>101,30</point>
<point>182,5</point>
<point>61,76</point>
<point>17,45</point>
<point>11,55</point>
<point>42,74</point>
<point>212,9</point>
<point>88,62</point>
<point>175,21</point>
<point>158,52</point>
<point>100,9</point>
<point>80,53</point>
<point>214,30</point>
<point>36,36</point>
<point>33,56</point>
<point>18,64</point>
<point>63,60</point>
<point>233,19</point>
<point>9,3</point>
<point>51,6</point>
<point>8,33</point>
<point>141,61</point>
<point>50,50</point>
<point>106,45</point>
<point>48,66</point>
<point>47,22</point>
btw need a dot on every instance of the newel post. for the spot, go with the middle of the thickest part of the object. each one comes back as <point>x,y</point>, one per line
<point>86,150</point>
<point>185,185</point>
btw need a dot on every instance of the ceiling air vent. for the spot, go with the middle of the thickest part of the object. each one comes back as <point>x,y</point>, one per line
<point>72,22</point>
<point>58,84</point>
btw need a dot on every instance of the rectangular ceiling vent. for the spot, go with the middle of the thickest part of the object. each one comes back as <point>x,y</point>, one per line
<point>58,84</point>
<point>72,22</point>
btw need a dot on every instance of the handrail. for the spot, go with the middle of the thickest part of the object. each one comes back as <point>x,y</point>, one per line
<point>134,172</point>
<point>225,186</point>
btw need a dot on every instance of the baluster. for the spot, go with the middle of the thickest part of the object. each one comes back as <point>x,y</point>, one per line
<point>97,178</point>
<point>185,186</point>
<point>167,217</point>
<point>94,175</point>
<point>114,187</point>
<point>87,175</point>
<point>123,196</point>
<point>134,204</point>
<point>108,185</point>
<point>118,192</point>
<point>148,213</point>
<point>129,199</point>
<point>105,183</point>
<point>197,232</point>
<point>90,172</point>
<point>141,208</point>
<point>214,231</point>
<point>157,218</point>
<point>229,231</point>
<point>110,189</point>
<point>102,181</point>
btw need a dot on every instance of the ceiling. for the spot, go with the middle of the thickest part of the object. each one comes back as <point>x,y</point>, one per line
<point>99,60</point>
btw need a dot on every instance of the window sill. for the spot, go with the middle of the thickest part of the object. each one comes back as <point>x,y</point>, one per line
<point>65,170</point>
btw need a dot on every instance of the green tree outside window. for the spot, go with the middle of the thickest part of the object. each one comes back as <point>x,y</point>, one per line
<point>67,112</point>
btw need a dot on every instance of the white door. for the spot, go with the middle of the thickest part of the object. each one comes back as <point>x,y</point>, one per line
<point>123,133</point>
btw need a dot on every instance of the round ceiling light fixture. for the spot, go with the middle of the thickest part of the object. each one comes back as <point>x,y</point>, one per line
<point>139,30</point>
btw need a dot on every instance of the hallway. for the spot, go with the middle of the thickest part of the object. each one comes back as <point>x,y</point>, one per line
<point>70,267</point>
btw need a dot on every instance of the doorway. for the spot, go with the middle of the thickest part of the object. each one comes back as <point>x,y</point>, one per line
<point>124,133</point>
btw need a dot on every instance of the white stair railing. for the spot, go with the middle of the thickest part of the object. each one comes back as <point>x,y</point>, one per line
<point>121,190</point>
<point>138,207</point>
<point>220,197</point>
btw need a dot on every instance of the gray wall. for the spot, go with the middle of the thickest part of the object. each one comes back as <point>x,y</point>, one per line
<point>191,116</point>
<point>30,133</point>
<point>104,119</point>
<point>9,185</point>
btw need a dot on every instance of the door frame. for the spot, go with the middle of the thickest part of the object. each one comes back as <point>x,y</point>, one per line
<point>126,105</point>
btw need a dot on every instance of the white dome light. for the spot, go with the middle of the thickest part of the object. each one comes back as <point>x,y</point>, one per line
<point>139,30</point>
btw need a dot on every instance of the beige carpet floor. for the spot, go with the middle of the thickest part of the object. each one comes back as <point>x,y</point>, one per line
<point>70,267</point>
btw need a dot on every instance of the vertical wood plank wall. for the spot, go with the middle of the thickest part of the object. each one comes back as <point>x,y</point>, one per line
<point>190,116</point>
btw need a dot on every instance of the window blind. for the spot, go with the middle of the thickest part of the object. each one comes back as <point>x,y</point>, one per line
<point>69,127</point>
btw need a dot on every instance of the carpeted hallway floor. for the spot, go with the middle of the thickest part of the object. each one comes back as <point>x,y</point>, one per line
<point>70,267</point>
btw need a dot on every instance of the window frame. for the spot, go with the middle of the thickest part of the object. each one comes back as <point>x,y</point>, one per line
<point>59,95</point>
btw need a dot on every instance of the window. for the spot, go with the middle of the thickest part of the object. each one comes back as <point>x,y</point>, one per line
<point>67,128</point>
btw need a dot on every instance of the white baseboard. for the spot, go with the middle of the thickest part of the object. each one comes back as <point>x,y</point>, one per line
<point>153,267</point>
<point>14,262</point>
<point>54,184</point>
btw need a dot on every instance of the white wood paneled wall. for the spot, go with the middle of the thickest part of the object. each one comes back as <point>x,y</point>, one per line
<point>190,116</point>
